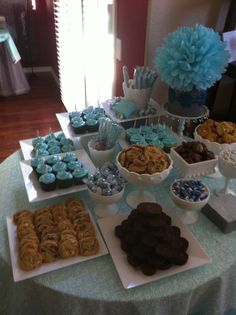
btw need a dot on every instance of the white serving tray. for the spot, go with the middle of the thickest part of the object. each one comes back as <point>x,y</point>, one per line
<point>131,277</point>
<point>19,274</point>
<point>33,189</point>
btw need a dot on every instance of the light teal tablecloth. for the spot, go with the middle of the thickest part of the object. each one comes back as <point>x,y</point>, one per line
<point>93,287</point>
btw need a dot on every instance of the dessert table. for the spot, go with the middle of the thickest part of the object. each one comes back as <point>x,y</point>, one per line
<point>94,287</point>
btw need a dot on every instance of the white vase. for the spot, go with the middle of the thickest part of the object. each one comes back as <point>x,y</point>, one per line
<point>140,96</point>
<point>99,157</point>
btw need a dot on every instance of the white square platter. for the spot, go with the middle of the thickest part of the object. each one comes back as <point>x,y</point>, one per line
<point>131,277</point>
<point>19,274</point>
<point>33,189</point>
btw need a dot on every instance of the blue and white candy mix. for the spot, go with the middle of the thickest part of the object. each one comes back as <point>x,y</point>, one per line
<point>107,181</point>
<point>190,190</point>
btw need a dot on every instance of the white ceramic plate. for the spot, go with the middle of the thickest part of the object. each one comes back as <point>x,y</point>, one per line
<point>130,277</point>
<point>64,122</point>
<point>27,147</point>
<point>33,189</point>
<point>19,274</point>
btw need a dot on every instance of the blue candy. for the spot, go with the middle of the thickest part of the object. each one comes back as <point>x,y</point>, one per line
<point>190,190</point>
<point>106,181</point>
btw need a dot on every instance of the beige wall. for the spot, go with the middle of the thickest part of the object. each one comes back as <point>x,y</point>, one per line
<point>165,16</point>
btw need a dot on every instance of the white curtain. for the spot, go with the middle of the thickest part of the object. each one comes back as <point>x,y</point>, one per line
<point>85,52</point>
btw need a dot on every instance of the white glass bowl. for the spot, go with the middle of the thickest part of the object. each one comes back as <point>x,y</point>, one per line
<point>190,209</point>
<point>214,146</point>
<point>192,170</point>
<point>105,205</point>
<point>99,157</point>
<point>142,181</point>
<point>227,167</point>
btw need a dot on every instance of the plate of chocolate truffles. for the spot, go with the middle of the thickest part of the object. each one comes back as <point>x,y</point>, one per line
<point>193,159</point>
<point>150,243</point>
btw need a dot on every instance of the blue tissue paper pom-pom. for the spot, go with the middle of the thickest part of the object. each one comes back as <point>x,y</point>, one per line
<point>191,58</point>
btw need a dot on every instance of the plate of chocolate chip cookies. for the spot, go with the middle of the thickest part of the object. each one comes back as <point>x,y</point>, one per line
<point>150,243</point>
<point>50,238</point>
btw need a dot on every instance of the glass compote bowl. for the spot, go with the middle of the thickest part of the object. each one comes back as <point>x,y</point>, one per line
<point>190,208</point>
<point>227,167</point>
<point>142,181</point>
<point>214,147</point>
<point>105,205</point>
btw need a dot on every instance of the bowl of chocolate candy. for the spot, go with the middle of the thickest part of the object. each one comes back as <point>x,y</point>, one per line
<point>106,188</point>
<point>193,159</point>
<point>143,166</point>
<point>190,195</point>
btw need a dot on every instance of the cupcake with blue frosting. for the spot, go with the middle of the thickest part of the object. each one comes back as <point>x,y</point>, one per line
<point>53,159</point>
<point>41,152</point>
<point>69,156</point>
<point>35,161</point>
<point>43,168</point>
<point>73,115</point>
<point>59,167</point>
<point>67,147</point>
<point>50,137</point>
<point>158,143</point>
<point>72,165</point>
<point>79,175</point>
<point>40,146</point>
<point>137,139</point>
<point>92,124</point>
<point>55,149</point>
<point>65,141</point>
<point>47,181</point>
<point>130,132</point>
<point>169,142</point>
<point>79,126</point>
<point>150,137</point>
<point>60,136</point>
<point>53,142</point>
<point>37,140</point>
<point>64,179</point>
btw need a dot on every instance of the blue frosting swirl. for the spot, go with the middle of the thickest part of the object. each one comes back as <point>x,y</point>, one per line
<point>64,175</point>
<point>47,178</point>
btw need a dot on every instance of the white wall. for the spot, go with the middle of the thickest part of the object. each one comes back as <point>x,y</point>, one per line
<point>165,16</point>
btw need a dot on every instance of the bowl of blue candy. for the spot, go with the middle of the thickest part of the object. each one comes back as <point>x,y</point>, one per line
<point>106,188</point>
<point>190,195</point>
